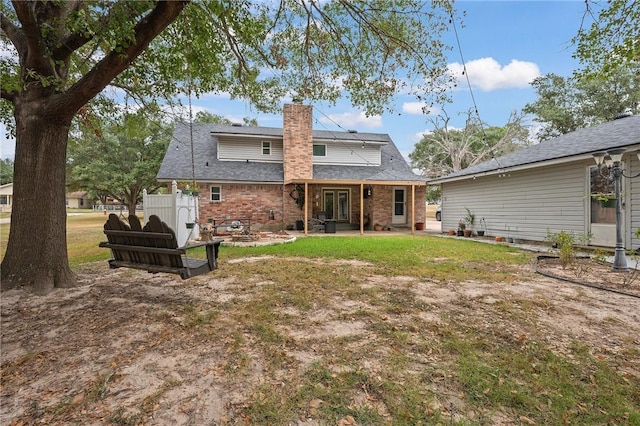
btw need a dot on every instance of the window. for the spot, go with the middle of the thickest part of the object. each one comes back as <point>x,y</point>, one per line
<point>266,148</point>
<point>319,150</point>
<point>216,193</point>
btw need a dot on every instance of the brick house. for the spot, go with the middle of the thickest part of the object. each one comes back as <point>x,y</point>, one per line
<point>280,178</point>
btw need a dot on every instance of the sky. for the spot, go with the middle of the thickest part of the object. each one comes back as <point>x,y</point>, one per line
<point>504,45</point>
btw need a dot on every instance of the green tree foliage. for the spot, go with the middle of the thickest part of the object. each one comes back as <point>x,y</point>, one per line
<point>446,150</point>
<point>62,55</point>
<point>6,171</point>
<point>565,104</point>
<point>207,117</point>
<point>119,158</point>
<point>611,44</point>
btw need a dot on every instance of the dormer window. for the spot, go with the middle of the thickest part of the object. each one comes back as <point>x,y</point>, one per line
<point>266,148</point>
<point>319,150</point>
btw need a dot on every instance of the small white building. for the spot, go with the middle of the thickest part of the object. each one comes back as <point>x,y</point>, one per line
<point>78,200</point>
<point>550,187</point>
<point>6,197</point>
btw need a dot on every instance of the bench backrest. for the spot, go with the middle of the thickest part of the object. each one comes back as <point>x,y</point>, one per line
<point>132,241</point>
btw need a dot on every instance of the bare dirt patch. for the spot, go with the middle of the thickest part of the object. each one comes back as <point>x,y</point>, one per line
<point>129,347</point>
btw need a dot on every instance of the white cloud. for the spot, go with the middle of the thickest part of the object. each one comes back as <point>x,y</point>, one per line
<point>417,137</point>
<point>487,74</point>
<point>416,108</point>
<point>352,120</point>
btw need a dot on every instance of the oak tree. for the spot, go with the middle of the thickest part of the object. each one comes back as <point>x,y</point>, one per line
<point>74,56</point>
<point>565,104</point>
<point>138,140</point>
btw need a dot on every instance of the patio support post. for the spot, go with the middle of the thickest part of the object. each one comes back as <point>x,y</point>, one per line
<point>361,208</point>
<point>306,209</point>
<point>413,209</point>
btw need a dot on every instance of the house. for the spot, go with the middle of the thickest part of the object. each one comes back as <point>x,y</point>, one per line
<point>281,178</point>
<point>78,200</point>
<point>550,187</point>
<point>6,197</point>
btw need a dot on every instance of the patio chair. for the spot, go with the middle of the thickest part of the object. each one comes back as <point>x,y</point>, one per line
<point>318,224</point>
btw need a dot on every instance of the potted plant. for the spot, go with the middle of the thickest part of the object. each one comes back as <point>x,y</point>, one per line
<point>607,200</point>
<point>483,228</point>
<point>461,227</point>
<point>469,221</point>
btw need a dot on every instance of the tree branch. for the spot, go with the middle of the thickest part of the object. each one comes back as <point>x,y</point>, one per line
<point>74,41</point>
<point>14,34</point>
<point>115,62</point>
<point>8,95</point>
<point>31,54</point>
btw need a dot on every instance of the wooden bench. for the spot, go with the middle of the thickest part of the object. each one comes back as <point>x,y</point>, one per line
<point>154,248</point>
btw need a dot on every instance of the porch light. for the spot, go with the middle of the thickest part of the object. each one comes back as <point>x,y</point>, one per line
<point>612,160</point>
<point>616,155</point>
<point>599,157</point>
<point>368,191</point>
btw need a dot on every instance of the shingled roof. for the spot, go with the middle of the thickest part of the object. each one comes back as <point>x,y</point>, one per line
<point>620,133</point>
<point>177,161</point>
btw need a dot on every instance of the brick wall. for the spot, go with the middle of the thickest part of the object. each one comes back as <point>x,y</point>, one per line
<point>259,201</point>
<point>382,200</point>
<point>254,201</point>
<point>297,142</point>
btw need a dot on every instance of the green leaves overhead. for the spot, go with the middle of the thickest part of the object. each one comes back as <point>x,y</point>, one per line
<point>612,42</point>
<point>565,104</point>
<point>259,51</point>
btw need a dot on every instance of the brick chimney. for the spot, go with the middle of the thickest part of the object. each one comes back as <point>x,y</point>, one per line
<point>297,142</point>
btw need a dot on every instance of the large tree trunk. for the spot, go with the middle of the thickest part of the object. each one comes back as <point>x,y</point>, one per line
<point>131,205</point>
<point>36,254</point>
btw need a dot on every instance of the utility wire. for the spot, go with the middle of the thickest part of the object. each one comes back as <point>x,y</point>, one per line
<point>473,98</point>
<point>355,135</point>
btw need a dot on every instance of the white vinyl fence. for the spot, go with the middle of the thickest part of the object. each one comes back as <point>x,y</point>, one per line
<point>176,210</point>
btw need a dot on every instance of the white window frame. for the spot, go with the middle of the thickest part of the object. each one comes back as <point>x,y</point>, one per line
<point>324,146</point>
<point>266,147</point>
<point>218,193</point>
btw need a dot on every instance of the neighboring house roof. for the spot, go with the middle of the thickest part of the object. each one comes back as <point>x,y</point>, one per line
<point>619,133</point>
<point>77,194</point>
<point>6,189</point>
<point>177,163</point>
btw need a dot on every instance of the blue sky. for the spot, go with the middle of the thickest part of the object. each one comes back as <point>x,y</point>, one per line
<point>505,45</point>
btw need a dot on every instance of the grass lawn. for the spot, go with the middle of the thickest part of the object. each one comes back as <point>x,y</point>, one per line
<point>328,330</point>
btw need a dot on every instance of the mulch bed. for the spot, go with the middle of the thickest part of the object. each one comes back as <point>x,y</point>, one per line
<point>593,273</point>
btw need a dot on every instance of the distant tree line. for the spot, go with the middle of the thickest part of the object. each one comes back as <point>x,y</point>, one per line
<point>6,171</point>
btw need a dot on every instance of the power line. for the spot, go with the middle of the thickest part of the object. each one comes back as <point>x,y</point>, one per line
<point>355,135</point>
<point>466,74</point>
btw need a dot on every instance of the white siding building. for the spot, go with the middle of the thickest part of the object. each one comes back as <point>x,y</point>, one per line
<point>550,187</point>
